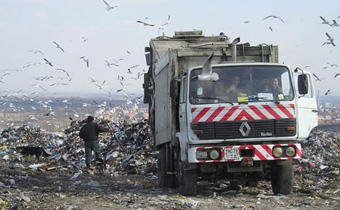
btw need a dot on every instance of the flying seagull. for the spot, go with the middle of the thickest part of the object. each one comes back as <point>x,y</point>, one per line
<point>145,23</point>
<point>274,16</point>
<point>329,37</point>
<point>100,86</point>
<point>38,86</point>
<point>86,60</point>
<point>328,92</point>
<point>317,78</point>
<point>121,89</point>
<point>134,66</point>
<point>330,42</point>
<point>167,22</point>
<point>324,21</point>
<point>337,74</point>
<point>110,64</point>
<point>108,8</point>
<point>36,51</point>
<point>64,71</point>
<point>58,46</point>
<point>84,39</point>
<point>93,80</point>
<point>335,23</point>
<point>207,73</point>
<point>48,62</point>
<point>1,77</point>
<point>117,60</point>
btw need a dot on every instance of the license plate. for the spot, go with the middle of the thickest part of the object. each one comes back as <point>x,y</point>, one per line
<point>231,153</point>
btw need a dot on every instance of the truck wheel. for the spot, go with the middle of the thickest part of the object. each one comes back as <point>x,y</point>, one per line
<point>282,179</point>
<point>252,183</point>
<point>237,184</point>
<point>187,179</point>
<point>164,179</point>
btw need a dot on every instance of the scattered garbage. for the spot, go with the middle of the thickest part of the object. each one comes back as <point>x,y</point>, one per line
<point>130,151</point>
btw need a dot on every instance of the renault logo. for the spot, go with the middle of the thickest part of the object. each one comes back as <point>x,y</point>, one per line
<point>244,129</point>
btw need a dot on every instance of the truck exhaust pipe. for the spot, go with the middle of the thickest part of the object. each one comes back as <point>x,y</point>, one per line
<point>234,48</point>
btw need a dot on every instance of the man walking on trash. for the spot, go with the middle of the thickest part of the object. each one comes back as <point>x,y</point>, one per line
<point>89,133</point>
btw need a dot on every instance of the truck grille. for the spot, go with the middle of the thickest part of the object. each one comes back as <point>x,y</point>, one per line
<point>253,129</point>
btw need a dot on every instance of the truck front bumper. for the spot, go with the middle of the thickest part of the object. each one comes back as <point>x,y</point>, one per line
<point>238,153</point>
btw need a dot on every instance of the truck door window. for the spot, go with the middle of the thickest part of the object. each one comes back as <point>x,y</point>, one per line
<point>309,94</point>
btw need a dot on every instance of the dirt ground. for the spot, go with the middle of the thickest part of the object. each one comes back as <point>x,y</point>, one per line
<point>60,188</point>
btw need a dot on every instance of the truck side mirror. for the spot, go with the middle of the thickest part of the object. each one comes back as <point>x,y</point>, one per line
<point>174,89</point>
<point>303,84</point>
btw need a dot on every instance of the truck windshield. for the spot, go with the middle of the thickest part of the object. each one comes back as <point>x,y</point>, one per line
<point>239,84</point>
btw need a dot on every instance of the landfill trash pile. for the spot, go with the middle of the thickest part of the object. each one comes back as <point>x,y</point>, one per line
<point>129,150</point>
<point>129,180</point>
<point>320,164</point>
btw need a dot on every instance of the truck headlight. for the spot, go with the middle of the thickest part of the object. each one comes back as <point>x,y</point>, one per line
<point>201,154</point>
<point>290,151</point>
<point>214,154</point>
<point>277,152</point>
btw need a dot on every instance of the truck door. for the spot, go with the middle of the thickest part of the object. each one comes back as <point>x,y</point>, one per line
<point>182,105</point>
<point>307,111</point>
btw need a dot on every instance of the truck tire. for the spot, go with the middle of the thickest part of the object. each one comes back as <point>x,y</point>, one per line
<point>187,179</point>
<point>252,183</point>
<point>282,179</point>
<point>164,179</point>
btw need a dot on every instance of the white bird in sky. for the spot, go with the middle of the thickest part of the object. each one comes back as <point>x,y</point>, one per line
<point>167,22</point>
<point>273,16</point>
<point>117,60</point>
<point>100,86</point>
<point>129,69</point>
<point>30,64</point>
<point>335,23</point>
<point>330,40</point>
<point>48,62</point>
<point>38,86</point>
<point>207,73</point>
<point>108,6</point>
<point>64,71</point>
<point>86,60</point>
<point>5,74</point>
<point>145,23</point>
<point>110,64</point>
<point>329,37</point>
<point>316,77</point>
<point>93,80</point>
<point>58,46</point>
<point>324,21</point>
<point>36,51</point>
<point>121,89</point>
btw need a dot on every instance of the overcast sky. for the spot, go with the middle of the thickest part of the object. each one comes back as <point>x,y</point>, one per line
<point>29,28</point>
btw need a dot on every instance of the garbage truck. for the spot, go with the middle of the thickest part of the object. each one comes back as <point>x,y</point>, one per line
<point>225,110</point>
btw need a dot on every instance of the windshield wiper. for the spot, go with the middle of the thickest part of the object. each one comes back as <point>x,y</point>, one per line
<point>265,99</point>
<point>215,98</point>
